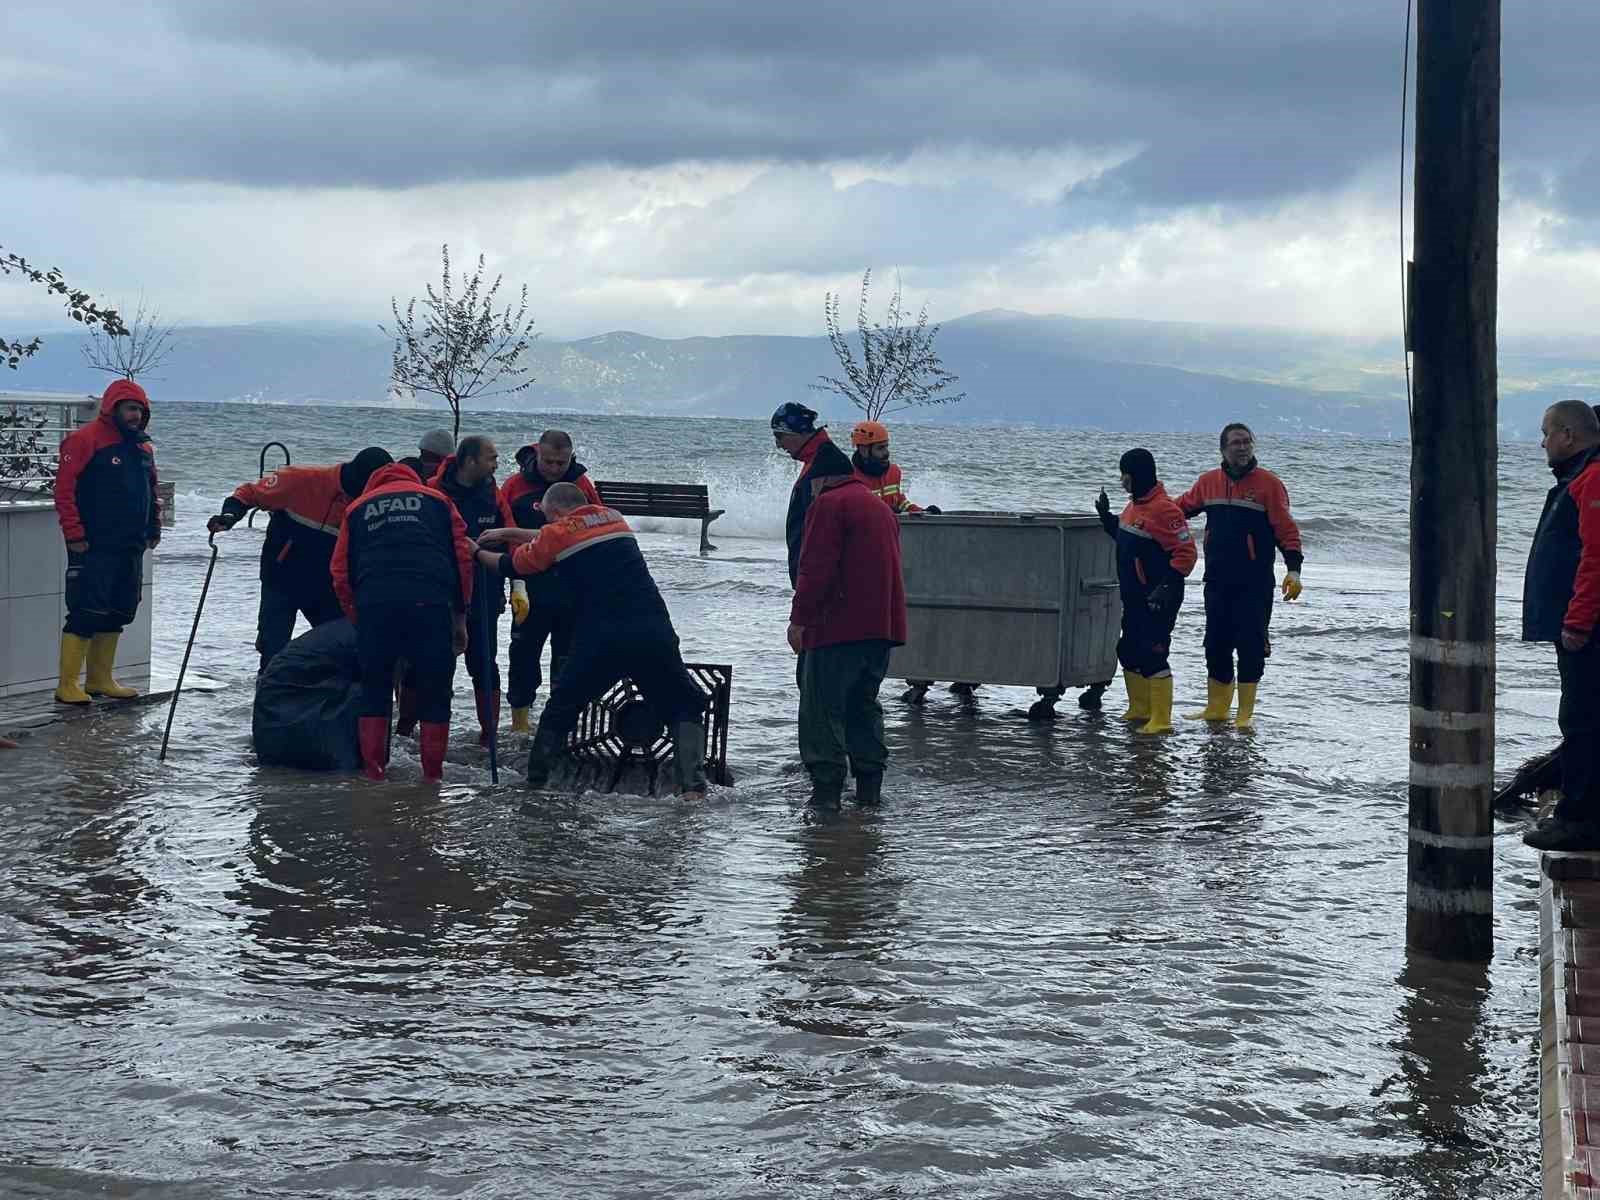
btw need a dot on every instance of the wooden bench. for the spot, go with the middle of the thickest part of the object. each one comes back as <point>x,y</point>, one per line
<point>691,501</point>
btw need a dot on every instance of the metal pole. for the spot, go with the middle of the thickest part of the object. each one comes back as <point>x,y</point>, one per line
<point>1450,875</point>
<point>172,709</point>
<point>486,631</point>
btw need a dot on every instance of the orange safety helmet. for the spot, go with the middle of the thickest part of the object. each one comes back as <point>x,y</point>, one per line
<point>869,433</point>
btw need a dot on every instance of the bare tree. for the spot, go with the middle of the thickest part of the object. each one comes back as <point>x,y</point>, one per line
<point>80,307</point>
<point>137,353</point>
<point>460,348</point>
<point>899,368</point>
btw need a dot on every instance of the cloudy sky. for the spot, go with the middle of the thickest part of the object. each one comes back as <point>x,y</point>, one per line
<point>713,166</point>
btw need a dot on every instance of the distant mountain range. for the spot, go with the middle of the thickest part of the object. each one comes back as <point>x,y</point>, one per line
<point>1120,375</point>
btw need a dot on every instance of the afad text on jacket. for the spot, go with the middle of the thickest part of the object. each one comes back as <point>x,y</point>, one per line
<point>401,543</point>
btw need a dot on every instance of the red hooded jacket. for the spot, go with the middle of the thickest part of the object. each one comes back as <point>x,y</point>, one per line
<point>848,586</point>
<point>105,489</point>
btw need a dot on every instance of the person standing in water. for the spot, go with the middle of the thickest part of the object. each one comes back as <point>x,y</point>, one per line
<point>1247,525</point>
<point>1155,554</point>
<point>105,496</point>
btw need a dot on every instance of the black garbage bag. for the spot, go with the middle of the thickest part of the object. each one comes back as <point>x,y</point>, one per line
<point>308,701</point>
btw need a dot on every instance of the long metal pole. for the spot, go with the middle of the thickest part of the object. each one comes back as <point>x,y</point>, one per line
<point>1450,877</point>
<point>172,709</point>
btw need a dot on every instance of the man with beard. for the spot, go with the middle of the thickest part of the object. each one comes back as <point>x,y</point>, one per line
<point>105,497</point>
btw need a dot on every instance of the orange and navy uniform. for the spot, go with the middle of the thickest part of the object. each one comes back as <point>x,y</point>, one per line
<point>523,492</point>
<point>105,491</point>
<point>887,487</point>
<point>401,544</point>
<point>1247,523</point>
<point>597,556</point>
<point>307,506</point>
<point>1154,546</point>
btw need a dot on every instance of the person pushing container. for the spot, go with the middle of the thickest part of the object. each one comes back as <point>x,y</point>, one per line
<point>105,497</point>
<point>402,569</point>
<point>307,506</point>
<point>1247,524</point>
<point>623,629</point>
<point>1155,554</point>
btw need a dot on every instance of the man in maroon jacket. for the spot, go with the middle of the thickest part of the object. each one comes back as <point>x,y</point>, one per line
<point>849,612</point>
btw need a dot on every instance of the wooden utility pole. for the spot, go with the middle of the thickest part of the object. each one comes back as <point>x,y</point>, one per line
<point>1450,876</point>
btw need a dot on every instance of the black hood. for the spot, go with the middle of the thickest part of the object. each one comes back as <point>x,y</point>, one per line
<point>528,464</point>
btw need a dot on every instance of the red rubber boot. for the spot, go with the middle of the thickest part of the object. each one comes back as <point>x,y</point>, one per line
<point>374,736</point>
<point>433,738</point>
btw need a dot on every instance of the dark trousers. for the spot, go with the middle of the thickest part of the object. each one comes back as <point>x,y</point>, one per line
<point>841,721</point>
<point>483,642</point>
<point>651,660</point>
<point>1146,640</point>
<point>1579,718</point>
<point>103,589</point>
<point>545,622</point>
<point>420,633</point>
<point>1237,620</point>
<point>279,607</point>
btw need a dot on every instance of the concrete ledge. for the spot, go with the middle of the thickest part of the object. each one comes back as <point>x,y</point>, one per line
<point>35,709</point>
<point>1569,1026</point>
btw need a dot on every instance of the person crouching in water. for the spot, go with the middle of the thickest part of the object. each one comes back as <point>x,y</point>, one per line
<point>402,569</point>
<point>1155,553</point>
<point>622,629</point>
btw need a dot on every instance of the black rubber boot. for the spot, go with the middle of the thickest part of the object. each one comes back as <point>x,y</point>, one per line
<point>689,757</point>
<point>826,795</point>
<point>542,754</point>
<point>869,789</point>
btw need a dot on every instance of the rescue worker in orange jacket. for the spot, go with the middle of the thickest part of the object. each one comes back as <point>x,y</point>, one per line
<point>402,569</point>
<point>1155,554</point>
<point>1247,525</point>
<point>623,629</point>
<point>307,506</point>
<point>541,607</point>
<point>105,495</point>
<point>873,467</point>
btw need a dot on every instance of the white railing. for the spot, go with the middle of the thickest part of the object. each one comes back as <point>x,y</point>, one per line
<point>32,425</point>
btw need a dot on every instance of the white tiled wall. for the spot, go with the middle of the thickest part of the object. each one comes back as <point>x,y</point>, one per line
<point>33,563</point>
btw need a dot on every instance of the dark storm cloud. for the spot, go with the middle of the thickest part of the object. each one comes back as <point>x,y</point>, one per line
<point>1232,101</point>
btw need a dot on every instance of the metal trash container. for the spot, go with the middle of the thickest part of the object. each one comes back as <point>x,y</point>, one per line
<point>1026,599</point>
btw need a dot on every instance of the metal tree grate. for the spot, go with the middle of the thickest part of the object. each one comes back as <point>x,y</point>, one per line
<point>620,731</point>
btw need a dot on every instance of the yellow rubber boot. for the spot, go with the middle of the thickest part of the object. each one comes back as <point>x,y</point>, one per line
<point>1138,696</point>
<point>74,650</point>
<point>1247,707</point>
<point>519,719</point>
<point>1160,707</point>
<point>1219,698</point>
<point>102,652</point>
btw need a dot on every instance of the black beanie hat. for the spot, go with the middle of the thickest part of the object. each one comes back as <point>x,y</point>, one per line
<point>830,461</point>
<point>1140,465</point>
<point>354,474</point>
